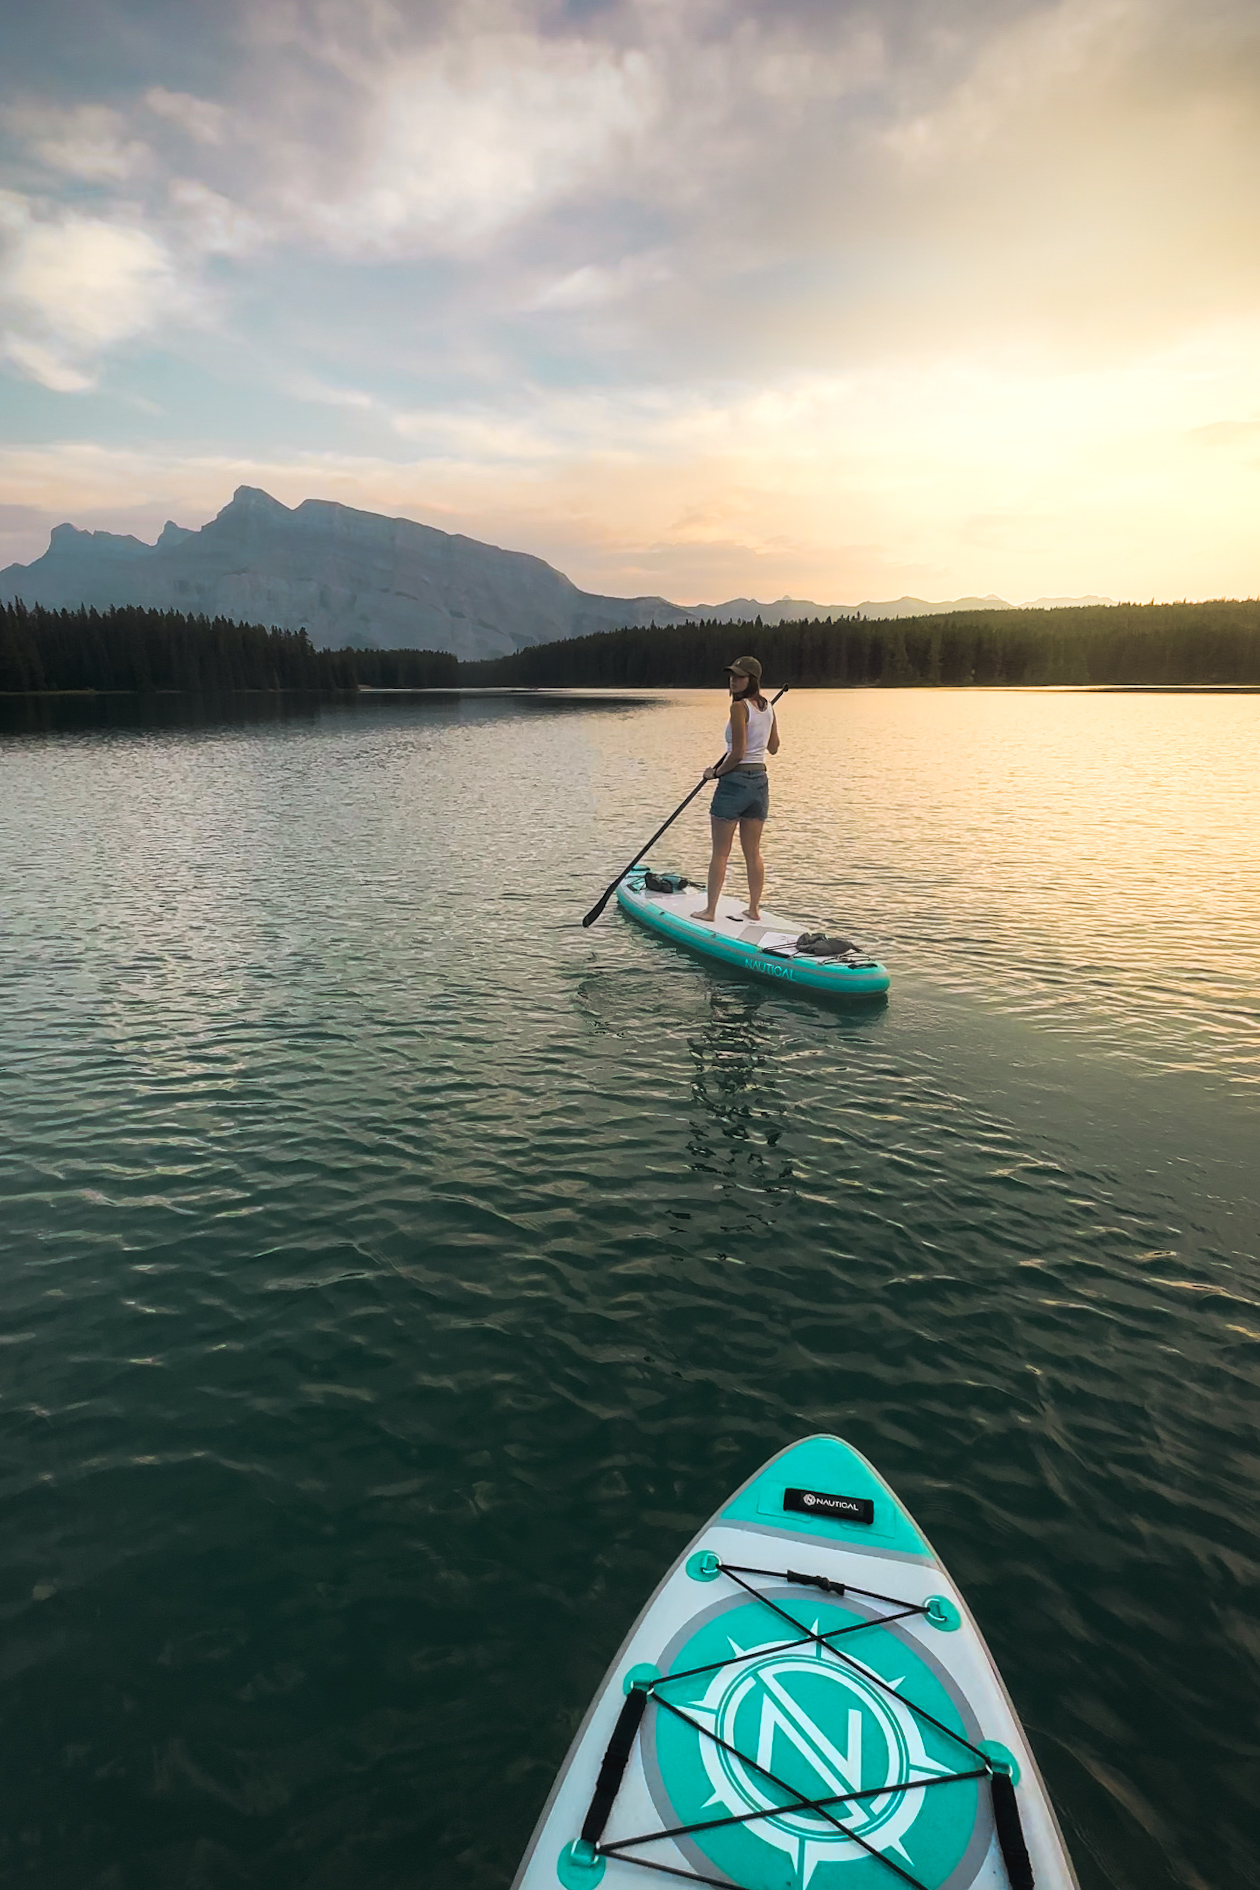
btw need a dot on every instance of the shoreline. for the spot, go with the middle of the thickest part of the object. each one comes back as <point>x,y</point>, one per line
<point>629,692</point>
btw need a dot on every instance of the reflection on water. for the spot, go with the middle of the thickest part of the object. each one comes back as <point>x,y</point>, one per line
<point>123,712</point>
<point>739,1110</point>
<point>393,1274</point>
<point>83,714</point>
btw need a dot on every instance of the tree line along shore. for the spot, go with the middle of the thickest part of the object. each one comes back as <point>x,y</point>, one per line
<point>147,651</point>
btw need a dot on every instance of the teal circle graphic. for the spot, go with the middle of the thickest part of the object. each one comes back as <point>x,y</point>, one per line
<point>575,1870</point>
<point>942,1613</point>
<point>703,1566</point>
<point>1003,1758</point>
<point>804,1727</point>
<point>640,1676</point>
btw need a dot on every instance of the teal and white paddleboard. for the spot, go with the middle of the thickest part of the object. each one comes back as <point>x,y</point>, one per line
<point>765,946</point>
<point>805,1703</point>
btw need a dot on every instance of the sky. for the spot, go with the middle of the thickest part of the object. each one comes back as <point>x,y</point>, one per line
<point>704,298</point>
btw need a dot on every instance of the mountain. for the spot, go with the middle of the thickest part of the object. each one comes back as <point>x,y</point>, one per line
<point>1067,603</point>
<point>348,577</point>
<point>792,609</point>
<point>370,582</point>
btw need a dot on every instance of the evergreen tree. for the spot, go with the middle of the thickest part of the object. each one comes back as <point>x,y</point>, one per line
<point>1153,644</point>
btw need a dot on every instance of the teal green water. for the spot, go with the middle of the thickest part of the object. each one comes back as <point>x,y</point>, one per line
<point>394,1275</point>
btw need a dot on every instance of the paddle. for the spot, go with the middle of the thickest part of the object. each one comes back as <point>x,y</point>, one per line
<point>608,891</point>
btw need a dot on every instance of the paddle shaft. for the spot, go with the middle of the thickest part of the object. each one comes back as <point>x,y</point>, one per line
<point>608,891</point>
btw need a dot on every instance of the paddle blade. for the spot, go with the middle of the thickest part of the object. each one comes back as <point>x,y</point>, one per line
<point>597,908</point>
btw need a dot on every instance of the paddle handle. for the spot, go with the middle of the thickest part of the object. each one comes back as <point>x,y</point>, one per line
<point>609,890</point>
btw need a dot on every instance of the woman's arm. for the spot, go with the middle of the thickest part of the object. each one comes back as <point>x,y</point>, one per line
<point>772,746</point>
<point>739,737</point>
<point>739,741</point>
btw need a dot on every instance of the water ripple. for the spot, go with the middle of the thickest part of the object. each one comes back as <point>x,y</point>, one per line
<point>392,1277</point>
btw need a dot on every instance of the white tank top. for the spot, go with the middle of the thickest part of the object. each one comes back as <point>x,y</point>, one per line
<point>760,722</point>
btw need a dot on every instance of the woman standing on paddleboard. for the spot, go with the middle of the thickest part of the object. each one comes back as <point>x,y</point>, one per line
<point>743,787</point>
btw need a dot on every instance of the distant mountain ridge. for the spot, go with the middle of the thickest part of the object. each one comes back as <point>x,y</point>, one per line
<point>361,580</point>
<point>792,609</point>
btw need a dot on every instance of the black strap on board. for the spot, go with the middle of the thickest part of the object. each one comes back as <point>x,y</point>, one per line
<point>615,1760</point>
<point>1010,1832</point>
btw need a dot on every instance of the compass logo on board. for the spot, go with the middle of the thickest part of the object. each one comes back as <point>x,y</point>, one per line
<point>825,1730</point>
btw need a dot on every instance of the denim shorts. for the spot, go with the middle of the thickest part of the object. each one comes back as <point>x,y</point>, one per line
<point>743,794</point>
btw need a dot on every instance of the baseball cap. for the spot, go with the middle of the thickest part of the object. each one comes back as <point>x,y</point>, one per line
<point>745,666</point>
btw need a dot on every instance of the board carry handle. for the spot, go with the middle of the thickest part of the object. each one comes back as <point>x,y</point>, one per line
<point>1010,1832</point>
<point>613,1768</point>
<point>608,891</point>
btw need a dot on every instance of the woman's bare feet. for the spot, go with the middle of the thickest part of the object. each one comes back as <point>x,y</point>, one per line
<point>752,912</point>
<point>707,917</point>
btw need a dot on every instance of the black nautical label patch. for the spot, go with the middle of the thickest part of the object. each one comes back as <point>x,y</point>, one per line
<point>826,1503</point>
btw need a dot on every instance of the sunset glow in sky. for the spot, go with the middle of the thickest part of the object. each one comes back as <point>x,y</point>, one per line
<point>700,297</point>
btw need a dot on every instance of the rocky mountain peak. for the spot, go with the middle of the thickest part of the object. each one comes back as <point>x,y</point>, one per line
<point>253,499</point>
<point>344,576</point>
<point>67,541</point>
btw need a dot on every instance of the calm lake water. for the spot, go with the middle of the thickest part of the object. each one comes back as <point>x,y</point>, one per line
<point>394,1275</point>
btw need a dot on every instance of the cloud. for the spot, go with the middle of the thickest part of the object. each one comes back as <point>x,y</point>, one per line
<point>209,224</point>
<point>1227,434</point>
<point>462,140</point>
<point>1078,185</point>
<point>453,139</point>
<point>595,285</point>
<point>1073,47</point>
<point>481,438</point>
<point>307,387</point>
<point>92,282</point>
<point>75,285</point>
<point>202,119</point>
<point>89,142</point>
<point>42,364</point>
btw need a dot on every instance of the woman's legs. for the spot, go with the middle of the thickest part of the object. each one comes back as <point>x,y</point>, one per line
<point>750,841</point>
<point>723,838</point>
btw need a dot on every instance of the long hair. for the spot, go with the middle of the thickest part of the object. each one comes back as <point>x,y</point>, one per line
<point>752,693</point>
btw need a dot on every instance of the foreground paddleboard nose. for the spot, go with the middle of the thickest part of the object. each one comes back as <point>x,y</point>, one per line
<point>804,1704</point>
